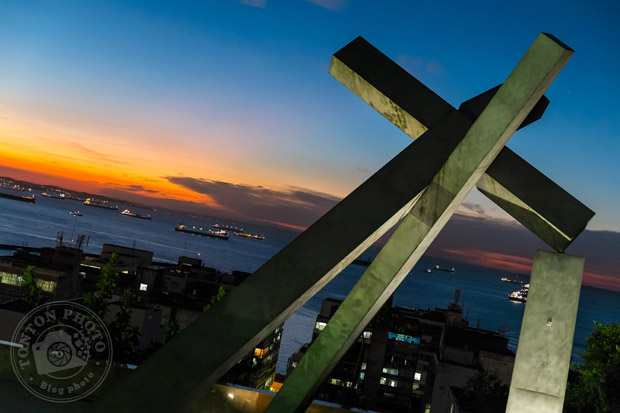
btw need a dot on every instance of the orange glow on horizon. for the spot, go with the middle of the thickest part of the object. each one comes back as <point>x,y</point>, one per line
<point>285,225</point>
<point>52,144</point>
<point>94,180</point>
<point>100,156</point>
<point>513,263</point>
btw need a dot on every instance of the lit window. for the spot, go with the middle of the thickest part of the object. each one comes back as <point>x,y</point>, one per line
<point>337,382</point>
<point>392,383</point>
<point>382,380</point>
<point>12,279</point>
<point>320,325</point>
<point>363,366</point>
<point>367,335</point>
<point>260,352</point>
<point>47,286</point>
<point>349,384</point>
<point>390,371</point>
<point>144,287</point>
<point>417,376</point>
<point>362,375</point>
<point>404,338</point>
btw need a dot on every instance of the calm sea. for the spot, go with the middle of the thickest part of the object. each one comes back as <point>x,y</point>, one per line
<point>482,293</point>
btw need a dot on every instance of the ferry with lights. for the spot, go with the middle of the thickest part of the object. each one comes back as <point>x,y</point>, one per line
<point>128,213</point>
<point>219,234</point>
<point>521,295</point>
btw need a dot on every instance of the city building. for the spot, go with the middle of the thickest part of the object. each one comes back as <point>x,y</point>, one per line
<point>409,359</point>
<point>258,369</point>
<point>56,270</point>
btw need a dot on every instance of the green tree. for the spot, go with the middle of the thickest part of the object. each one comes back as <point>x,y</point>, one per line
<point>34,296</point>
<point>484,392</point>
<point>597,384</point>
<point>215,299</point>
<point>106,284</point>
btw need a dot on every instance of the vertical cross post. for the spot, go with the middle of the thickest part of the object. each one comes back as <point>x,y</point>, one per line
<point>546,340</point>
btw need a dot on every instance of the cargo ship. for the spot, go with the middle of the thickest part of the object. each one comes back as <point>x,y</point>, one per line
<point>220,234</point>
<point>242,234</point>
<point>104,205</point>
<point>131,214</point>
<point>57,195</point>
<point>22,198</point>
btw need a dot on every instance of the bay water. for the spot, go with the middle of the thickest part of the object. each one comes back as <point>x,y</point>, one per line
<point>483,294</point>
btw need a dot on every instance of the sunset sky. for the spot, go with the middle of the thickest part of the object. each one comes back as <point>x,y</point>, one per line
<point>227,108</point>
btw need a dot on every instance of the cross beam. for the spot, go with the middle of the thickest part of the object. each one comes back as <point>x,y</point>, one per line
<point>465,166</point>
<point>529,196</point>
<point>219,338</point>
<point>204,351</point>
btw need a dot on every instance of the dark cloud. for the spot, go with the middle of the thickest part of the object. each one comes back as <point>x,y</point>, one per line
<point>471,235</point>
<point>138,188</point>
<point>296,207</point>
<point>131,188</point>
<point>470,209</point>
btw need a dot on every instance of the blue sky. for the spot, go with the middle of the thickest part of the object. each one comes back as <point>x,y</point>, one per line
<point>205,83</point>
<point>226,107</point>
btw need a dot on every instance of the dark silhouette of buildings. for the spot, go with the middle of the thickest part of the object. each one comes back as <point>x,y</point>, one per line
<point>57,272</point>
<point>165,294</point>
<point>409,359</point>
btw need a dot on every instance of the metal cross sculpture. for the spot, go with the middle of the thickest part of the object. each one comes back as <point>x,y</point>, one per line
<point>420,188</point>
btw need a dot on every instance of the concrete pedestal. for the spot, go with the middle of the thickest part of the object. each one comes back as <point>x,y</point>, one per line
<point>546,339</point>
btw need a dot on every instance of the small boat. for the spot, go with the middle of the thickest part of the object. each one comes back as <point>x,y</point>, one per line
<point>131,214</point>
<point>75,213</point>
<point>428,270</point>
<point>508,280</point>
<point>438,268</point>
